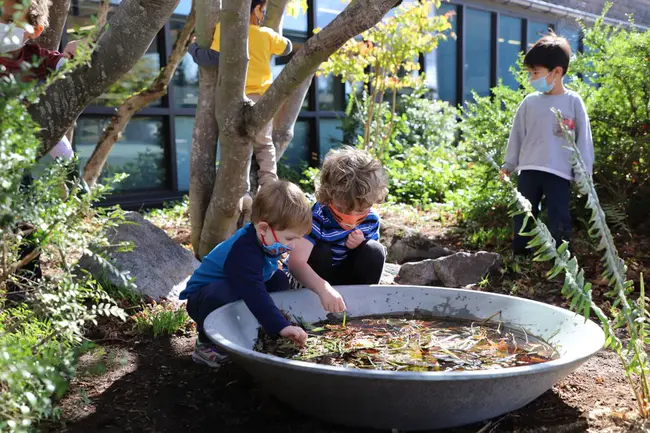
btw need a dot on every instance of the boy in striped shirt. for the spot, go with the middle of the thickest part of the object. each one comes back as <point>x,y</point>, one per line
<point>343,247</point>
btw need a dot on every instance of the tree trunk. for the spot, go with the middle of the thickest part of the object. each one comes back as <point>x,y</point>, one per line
<point>132,29</point>
<point>236,144</point>
<point>203,155</point>
<point>157,89</point>
<point>239,122</point>
<point>51,37</point>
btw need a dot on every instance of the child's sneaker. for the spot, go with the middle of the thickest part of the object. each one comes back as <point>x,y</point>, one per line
<point>208,354</point>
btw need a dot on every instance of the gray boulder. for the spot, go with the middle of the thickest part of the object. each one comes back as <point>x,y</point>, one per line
<point>407,245</point>
<point>418,273</point>
<point>456,270</point>
<point>159,265</point>
<point>390,272</point>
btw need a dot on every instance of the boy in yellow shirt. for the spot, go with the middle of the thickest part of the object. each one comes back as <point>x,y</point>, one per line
<point>263,42</point>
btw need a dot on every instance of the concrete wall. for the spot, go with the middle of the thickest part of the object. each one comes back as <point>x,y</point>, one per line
<point>639,8</point>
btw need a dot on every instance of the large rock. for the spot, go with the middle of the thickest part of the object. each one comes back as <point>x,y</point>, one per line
<point>457,270</point>
<point>418,273</point>
<point>160,266</point>
<point>390,272</point>
<point>407,245</point>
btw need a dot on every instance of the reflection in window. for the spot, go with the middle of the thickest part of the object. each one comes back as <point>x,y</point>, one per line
<point>297,154</point>
<point>535,31</point>
<point>140,151</point>
<point>184,129</point>
<point>184,7</point>
<point>327,10</point>
<point>478,51</point>
<point>331,93</point>
<point>296,24</point>
<point>330,135</point>
<point>509,49</point>
<point>440,65</point>
<point>186,78</point>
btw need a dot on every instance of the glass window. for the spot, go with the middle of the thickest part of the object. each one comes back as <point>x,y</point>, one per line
<point>184,127</point>
<point>478,53</point>
<point>297,153</point>
<point>186,78</point>
<point>440,66</point>
<point>184,7</point>
<point>509,49</point>
<point>331,93</point>
<point>330,135</point>
<point>535,31</point>
<point>327,10</point>
<point>296,24</point>
<point>140,151</point>
<point>571,32</point>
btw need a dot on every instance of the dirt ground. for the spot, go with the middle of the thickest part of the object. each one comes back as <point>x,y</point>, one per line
<point>136,383</point>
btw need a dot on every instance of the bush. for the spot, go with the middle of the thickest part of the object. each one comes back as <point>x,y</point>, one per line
<point>42,320</point>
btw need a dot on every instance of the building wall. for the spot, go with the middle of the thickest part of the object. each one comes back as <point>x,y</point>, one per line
<point>620,9</point>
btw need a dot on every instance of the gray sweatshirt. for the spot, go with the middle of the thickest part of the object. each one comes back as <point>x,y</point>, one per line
<point>536,140</point>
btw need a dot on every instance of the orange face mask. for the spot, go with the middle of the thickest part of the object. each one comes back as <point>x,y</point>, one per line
<point>347,221</point>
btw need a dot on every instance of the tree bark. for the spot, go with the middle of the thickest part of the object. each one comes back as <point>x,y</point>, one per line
<point>51,37</point>
<point>203,155</point>
<point>157,89</point>
<point>236,144</point>
<point>132,29</point>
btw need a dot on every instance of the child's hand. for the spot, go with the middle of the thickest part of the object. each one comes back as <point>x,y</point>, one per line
<point>295,334</point>
<point>504,173</point>
<point>355,239</point>
<point>70,49</point>
<point>332,300</point>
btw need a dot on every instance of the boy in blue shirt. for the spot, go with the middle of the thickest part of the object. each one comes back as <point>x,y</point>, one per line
<point>245,267</point>
<point>537,146</point>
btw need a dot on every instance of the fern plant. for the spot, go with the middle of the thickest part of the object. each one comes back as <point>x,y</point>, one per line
<point>625,313</point>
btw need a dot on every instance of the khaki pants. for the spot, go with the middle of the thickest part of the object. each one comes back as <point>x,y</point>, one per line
<point>264,152</point>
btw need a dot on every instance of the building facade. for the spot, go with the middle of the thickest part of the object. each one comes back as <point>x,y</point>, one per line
<point>155,147</point>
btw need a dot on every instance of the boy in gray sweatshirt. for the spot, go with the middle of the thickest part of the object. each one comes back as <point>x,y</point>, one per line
<point>537,148</point>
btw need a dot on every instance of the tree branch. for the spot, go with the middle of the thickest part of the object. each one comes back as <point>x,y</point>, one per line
<point>132,29</point>
<point>51,37</point>
<point>355,19</point>
<point>135,103</point>
<point>274,13</point>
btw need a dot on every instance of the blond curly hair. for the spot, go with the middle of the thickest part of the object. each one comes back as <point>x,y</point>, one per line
<point>352,178</point>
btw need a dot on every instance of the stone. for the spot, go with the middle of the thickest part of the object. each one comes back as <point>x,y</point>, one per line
<point>390,272</point>
<point>421,273</point>
<point>462,269</point>
<point>160,266</point>
<point>407,245</point>
<point>457,270</point>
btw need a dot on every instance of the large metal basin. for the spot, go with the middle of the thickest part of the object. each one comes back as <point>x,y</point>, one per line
<point>408,400</point>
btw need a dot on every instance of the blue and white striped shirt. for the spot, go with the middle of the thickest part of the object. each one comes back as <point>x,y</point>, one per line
<point>324,228</point>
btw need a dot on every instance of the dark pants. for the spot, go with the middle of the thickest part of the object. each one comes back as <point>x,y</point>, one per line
<point>363,265</point>
<point>208,298</point>
<point>533,185</point>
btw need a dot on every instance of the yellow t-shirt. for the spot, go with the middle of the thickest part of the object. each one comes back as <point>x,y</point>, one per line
<point>263,42</point>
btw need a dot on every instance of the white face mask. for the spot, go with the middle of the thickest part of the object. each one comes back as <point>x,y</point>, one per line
<point>12,38</point>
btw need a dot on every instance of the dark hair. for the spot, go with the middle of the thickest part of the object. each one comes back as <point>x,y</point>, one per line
<point>256,3</point>
<point>550,52</point>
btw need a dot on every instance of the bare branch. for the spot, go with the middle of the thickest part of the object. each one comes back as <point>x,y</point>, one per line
<point>102,15</point>
<point>156,90</point>
<point>133,27</point>
<point>355,19</point>
<point>274,13</point>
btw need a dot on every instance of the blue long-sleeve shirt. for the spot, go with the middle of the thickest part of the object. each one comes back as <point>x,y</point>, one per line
<point>243,263</point>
